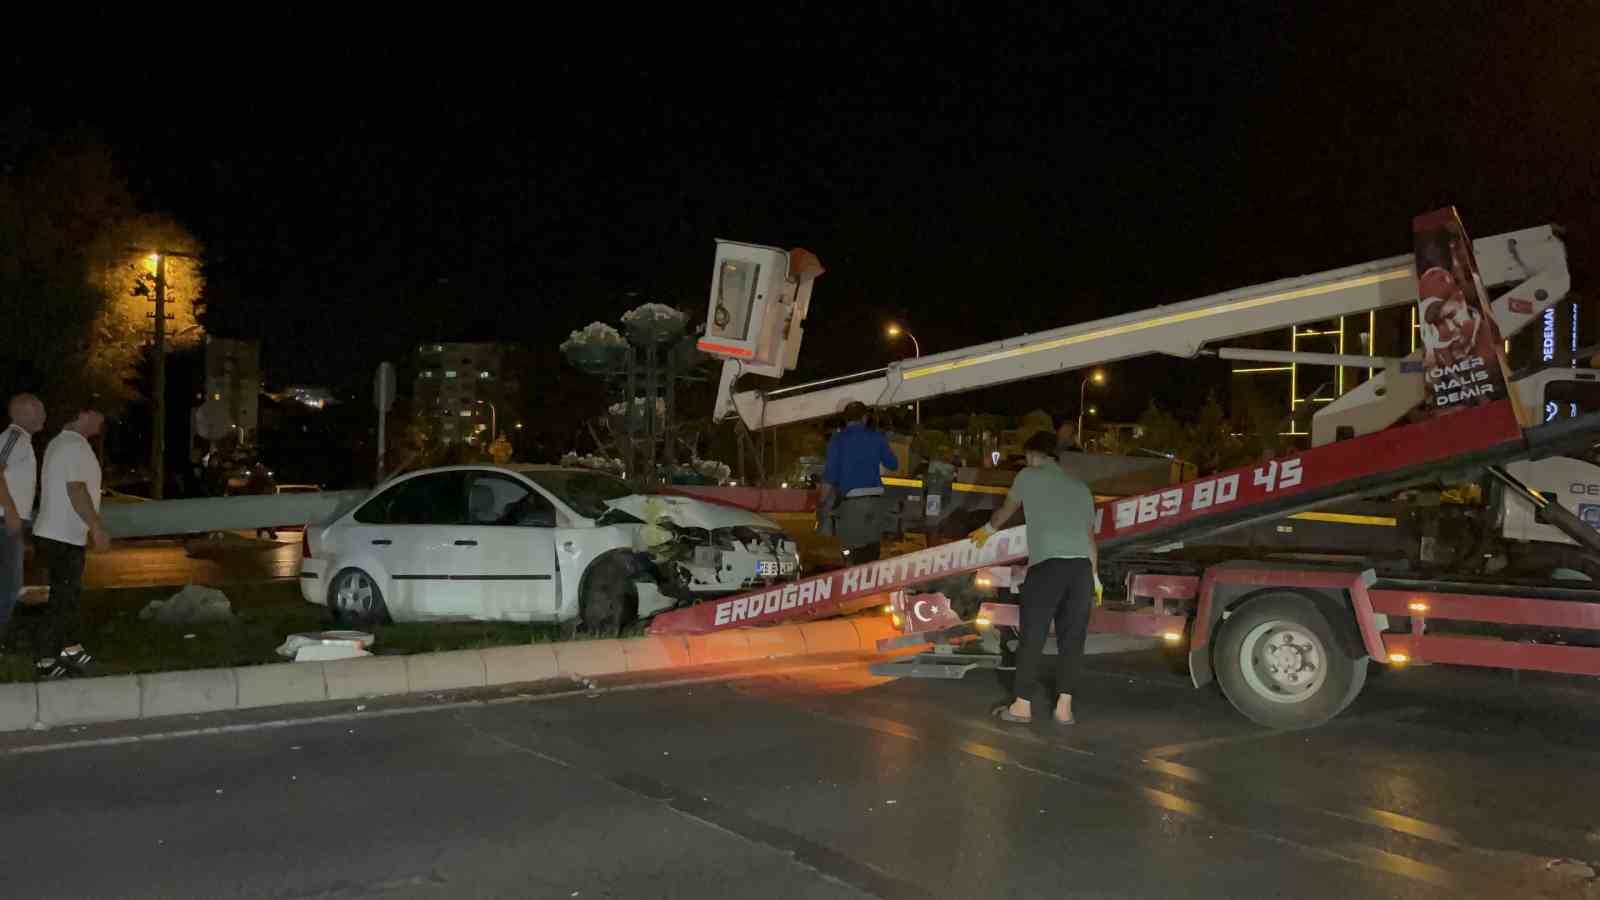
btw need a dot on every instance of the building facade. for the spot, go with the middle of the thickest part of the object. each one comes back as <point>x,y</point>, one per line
<point>461,391</point>
<point>233,385</point>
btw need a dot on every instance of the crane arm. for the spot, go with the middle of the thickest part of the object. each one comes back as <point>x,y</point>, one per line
<point>1178,329</point>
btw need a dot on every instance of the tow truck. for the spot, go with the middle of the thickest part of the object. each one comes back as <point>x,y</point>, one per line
<point>1497,580</point>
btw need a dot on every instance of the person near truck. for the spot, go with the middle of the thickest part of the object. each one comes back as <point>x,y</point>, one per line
<point>69,521</point>
<point>19,481</point>
<point>1063,578</point>
<point>260,483</point>
<point>852,485</point>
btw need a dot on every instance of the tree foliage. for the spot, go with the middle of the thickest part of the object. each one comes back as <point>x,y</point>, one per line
<point>1212,439</point>
<point>75,328</point>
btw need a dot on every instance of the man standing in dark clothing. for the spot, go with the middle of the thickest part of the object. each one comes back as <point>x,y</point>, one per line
<point>852,483</point>
<point>69,521</point>
<point>260,483</point>
<point>1063,574</point>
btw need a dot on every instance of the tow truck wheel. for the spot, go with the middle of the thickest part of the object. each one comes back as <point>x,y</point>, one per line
<point>1280,664</point>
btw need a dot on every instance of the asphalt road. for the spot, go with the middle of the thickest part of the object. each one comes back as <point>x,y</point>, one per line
<point>830,783</point>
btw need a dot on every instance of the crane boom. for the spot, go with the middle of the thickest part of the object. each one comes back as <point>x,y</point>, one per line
<point>1534,259</point>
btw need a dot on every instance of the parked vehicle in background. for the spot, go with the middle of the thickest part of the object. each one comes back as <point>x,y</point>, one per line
<point>533,544</point>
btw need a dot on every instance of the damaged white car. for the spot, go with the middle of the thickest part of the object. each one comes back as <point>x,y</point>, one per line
<point>533,544</point>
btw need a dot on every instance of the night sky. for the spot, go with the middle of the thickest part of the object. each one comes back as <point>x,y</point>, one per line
<point>975,175</point>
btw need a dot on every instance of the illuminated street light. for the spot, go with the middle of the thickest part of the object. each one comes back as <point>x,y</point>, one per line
<point>1098,377</point>
<point>894,331</point>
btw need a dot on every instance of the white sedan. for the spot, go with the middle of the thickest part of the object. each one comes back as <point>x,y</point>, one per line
<point>533,544</point>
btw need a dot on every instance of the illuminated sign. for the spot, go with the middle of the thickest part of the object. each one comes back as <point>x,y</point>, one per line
<point>1547,349</point>
<point>1574,335</point>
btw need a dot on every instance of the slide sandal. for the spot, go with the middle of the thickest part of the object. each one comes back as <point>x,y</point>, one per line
<point>1004,714</point>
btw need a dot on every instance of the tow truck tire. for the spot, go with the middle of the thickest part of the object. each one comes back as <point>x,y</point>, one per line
<point>1279,662</point>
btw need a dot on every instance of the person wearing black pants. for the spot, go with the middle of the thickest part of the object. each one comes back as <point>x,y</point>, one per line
<point>1063,579</point>
<point>62,616</point>
<point>69,522</point>
<point>1059,592</point>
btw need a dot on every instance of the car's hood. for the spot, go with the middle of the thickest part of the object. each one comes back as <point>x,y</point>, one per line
<point>687,512</point>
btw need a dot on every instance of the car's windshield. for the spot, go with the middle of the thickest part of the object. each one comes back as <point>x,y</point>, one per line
<point>585,492</point>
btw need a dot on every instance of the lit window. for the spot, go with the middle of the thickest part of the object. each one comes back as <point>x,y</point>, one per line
<point>438,348</point>
<point>449,373</point>
<point>216,396</point>
<point>465,413</point>
<point>483,374</point>
<point>427,373</point>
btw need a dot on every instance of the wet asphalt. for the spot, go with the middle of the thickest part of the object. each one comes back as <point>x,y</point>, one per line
<point>828,782</point>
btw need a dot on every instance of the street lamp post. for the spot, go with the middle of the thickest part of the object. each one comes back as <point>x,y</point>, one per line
<point>1098,377</point>
<point>158,430</point>
<point>894,330</point>
<point>494,421</point>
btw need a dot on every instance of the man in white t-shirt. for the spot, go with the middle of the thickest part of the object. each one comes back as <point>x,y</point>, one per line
<point>19,479</point>
<point>69,519</point>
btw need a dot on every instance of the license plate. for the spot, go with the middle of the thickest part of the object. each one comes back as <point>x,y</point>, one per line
<point>768,568</point>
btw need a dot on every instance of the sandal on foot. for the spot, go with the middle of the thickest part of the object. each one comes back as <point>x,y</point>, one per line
<point>1003,713</point>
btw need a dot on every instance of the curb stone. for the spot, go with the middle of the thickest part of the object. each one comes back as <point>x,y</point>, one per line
<point>77,701</point>
<point>152,695</point>
<point>192,691</point>
<point>514,665</point>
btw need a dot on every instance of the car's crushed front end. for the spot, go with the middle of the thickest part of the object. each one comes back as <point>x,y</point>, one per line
<point>701,549</point>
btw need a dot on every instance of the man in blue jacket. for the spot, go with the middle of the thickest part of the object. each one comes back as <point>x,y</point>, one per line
<point>852,484</point>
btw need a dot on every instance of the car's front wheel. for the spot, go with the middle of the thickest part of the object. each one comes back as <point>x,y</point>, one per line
<point>607,601</point>
<point>356,601</point>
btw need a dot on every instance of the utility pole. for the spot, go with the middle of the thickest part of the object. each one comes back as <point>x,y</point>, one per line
<point>158,424</point>
<point>158,429</point>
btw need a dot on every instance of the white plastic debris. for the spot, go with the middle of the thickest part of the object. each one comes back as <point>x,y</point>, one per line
<point>194,605</point>
<point>1571,868</point>
<point>325,645</point>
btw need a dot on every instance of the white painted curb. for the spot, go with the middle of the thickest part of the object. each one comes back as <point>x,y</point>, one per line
<point>127,697</point>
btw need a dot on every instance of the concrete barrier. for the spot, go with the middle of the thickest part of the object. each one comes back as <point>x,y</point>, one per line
<point>776,641</point>
<point>449,671</point>
<point>127,697</point>
<point>515,665</point>
<point>718,647</point>
<point>832,636</point>
<point>649,654</point>
<point>19,706</point>
<point>372,676</point>
<point>184,693</point>
<point>280,684</point>
<point>80,700</point>
<point>590,658</point>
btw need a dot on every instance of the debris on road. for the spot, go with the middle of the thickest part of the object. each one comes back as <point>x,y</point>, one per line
<point>1570,868</point>
<point>326,645</point>
<point>194,605</point>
